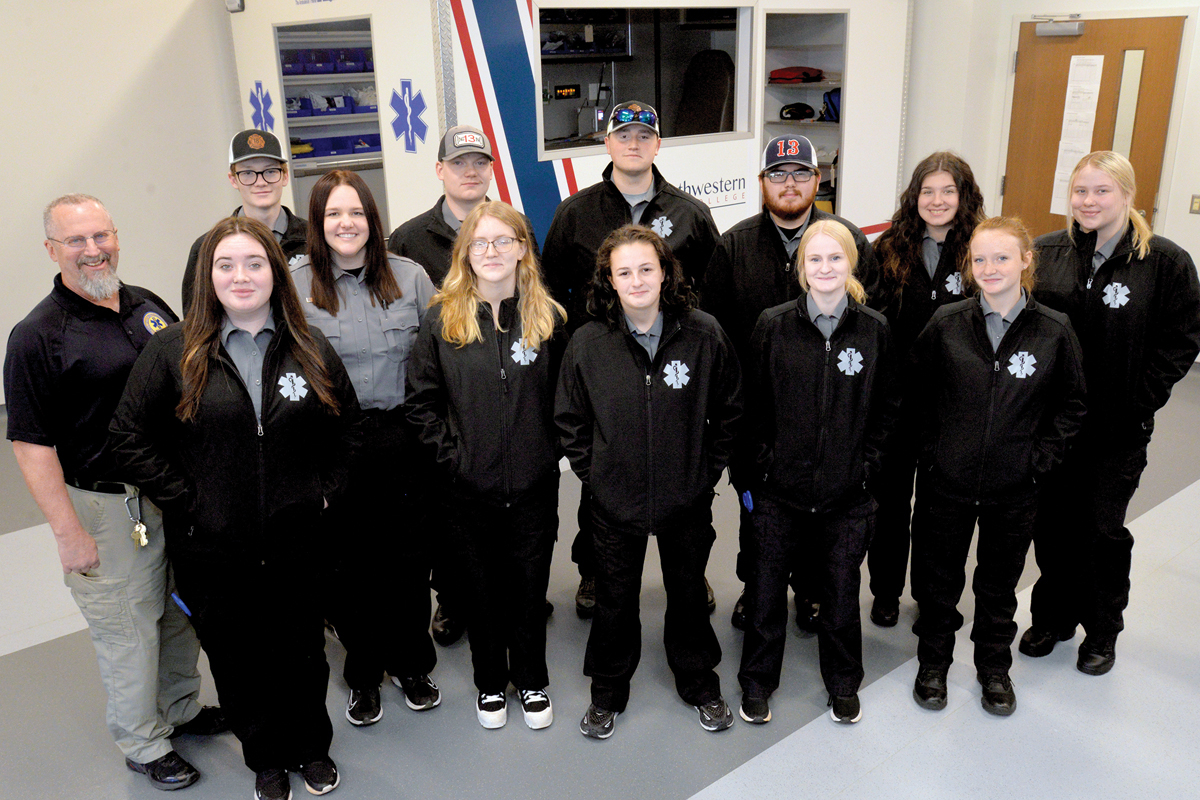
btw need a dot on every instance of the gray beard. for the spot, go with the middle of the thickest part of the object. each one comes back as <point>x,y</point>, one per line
<point>101,288</point>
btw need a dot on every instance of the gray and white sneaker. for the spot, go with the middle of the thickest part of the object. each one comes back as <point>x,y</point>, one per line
<point>715,715</point>
<point>598,723</point>
<point>492,710</point>
<point>420,692</point>
<point>536,706</point>
<point>363,706</point>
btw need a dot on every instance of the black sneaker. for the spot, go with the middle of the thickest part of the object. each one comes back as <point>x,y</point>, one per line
<point>929,690</point>
<point>536,706</point>
<point>755,710</point>
<point>209,722</point>
<point>598,723</point>
<point>491,710</point>
<point>420,692</point>
<point>363,706</point>
<point>806,616</point>
<point>272,784</point>
<point>998,695</point>
<point>885,611</point>
<point>585,598</point>
<point>320,776</point>
<point>447,628</point>
<point>738,618</point>
<point>167,772</point>
<point>845,709</point>
<point>715,715</point>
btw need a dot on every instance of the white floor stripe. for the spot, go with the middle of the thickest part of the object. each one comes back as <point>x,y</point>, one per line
<point>1132,733</point>
<point>35,606</point>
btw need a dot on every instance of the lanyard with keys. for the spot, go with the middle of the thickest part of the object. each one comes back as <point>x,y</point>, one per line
<point>135,516</point>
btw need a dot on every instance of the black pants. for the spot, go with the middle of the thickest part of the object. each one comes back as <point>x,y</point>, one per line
<point>583,548</point>
<point>802,576</point>
<point>615,644</point>
<point>887,560</point>
<point>941,539</point>
<point>504,554</point>
<point>260,625</point>
<point>378,598</point>
<point>1082,546</point>
<point>833,545</point>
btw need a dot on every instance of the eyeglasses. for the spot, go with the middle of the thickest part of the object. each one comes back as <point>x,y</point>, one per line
<point>624,115</point>
<point>478,247</point>
<point>781,176</point>
<point>79,242</point>
<point>249,177</point>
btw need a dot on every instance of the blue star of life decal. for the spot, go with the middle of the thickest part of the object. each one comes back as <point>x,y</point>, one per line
<point>408,122</point>
<point>260,101</point>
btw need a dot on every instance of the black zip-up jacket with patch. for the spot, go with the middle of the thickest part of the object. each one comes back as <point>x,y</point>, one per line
<point>909,308</point>
<point>294,243</point>
<point>585,219</point>
<point>991,423</point>
<point>818,412</point>
<point>428,240</point>
<point>485,412</point>
<point>650,438</point>
<point>1138,320</point>
<point>230,487</point>
<point>750,272</point>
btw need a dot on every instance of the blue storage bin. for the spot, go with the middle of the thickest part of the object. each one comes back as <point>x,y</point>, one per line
<point>366,109</point>
<point>368,60</point>
<point>319,62</point>
<point>322,146</point>
<point>341,145</point>
<point>346,106</point>
<point>350,60</point>
<point>367,143</point>
<point>292,61</point>
<point>299,107</point>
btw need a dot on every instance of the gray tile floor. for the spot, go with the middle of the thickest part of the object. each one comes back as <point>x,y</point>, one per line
<point>1117,736</point>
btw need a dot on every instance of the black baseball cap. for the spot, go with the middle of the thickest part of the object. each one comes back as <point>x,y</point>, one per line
<point>789,150</point>
<point>255,144</point>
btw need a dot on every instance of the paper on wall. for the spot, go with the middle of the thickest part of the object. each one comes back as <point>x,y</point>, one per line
<point>1079,121</point>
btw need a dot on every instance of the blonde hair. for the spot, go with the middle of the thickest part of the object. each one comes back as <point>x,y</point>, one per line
<point>1117,167</point>
<point>1014,228</point>
<point>840,234</point>
<point>459,295</point>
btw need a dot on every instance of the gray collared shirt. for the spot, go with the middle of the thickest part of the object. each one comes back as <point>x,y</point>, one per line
<point>651,338</point>
<point>931,250</point>
<point>1104,252</point>
<point>448,215</point>
<point>639,202</point>
<point>791,236</point>
<point>997,325</point>
<point>826,323</point>
<point>279,228</point>
<point>246,352</point>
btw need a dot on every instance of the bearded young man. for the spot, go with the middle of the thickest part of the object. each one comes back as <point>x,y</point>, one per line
<point>754,268</point>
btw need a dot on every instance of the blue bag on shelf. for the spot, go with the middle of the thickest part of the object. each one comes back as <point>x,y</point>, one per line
<point>831,107</point>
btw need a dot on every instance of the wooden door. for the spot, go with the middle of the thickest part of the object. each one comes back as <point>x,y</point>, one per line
<point>1039,94</point>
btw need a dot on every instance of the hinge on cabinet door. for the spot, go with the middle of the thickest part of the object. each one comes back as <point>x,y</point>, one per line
<point>1016,53</point>
<point>1003,183</point>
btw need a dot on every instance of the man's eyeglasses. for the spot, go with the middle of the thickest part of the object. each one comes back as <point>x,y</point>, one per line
<point>248,177</point>
<point>79,242</point>
<point>781,176</point>
<point>478,247</point>
<point>624,115</point>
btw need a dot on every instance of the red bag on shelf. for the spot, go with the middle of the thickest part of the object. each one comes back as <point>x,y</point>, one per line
<point>796,75</point>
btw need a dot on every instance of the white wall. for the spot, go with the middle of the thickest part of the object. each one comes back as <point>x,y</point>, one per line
<point>961,82</point>
<point>133,102</point>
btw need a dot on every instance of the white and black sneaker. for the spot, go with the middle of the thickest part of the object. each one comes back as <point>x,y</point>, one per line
<point>363,706</point>
<point>420,692</point>
<point>492,710</point>
<point>845,709</point>
<point>598,723</point>
<point>715,715</point>
<point>536,706</point>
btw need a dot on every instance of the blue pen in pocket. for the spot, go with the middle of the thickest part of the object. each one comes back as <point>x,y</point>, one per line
<point>180,603</point>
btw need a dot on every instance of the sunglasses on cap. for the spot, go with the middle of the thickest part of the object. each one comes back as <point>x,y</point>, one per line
<point>626,115</point>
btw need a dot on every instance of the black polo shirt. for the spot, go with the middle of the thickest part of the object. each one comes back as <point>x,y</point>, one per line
<point>66,368</point>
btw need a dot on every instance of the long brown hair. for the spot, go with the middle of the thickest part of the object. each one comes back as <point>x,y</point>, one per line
<point>1117,167</point>
<point>459,295</point>
<point>899,247</point>
<point>675,296</point>
<point>381,283</point>
<point>202,327</point>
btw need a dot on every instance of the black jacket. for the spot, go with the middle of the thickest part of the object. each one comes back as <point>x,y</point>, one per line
<point>294,243</point>
<point>429,241</point>
<point>817,412</point>
<point>485,412</point>
<point>991,423</point>
<point>750,272</point>
<point>649,439</point>
<point>228,487</point>
<point>585,219</point>
<point>909,308</point>
<point>1138,320</point>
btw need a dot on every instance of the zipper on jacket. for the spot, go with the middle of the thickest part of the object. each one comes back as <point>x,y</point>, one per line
<point>933,295</point>
<point>504,426</point>
<point>987,428</point>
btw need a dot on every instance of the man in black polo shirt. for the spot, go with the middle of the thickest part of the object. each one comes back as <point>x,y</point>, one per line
<point>464,167</point>
<point>753,268</point>
<point>631,191</point>
<point>64,373</point>
<point>258,169</point>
